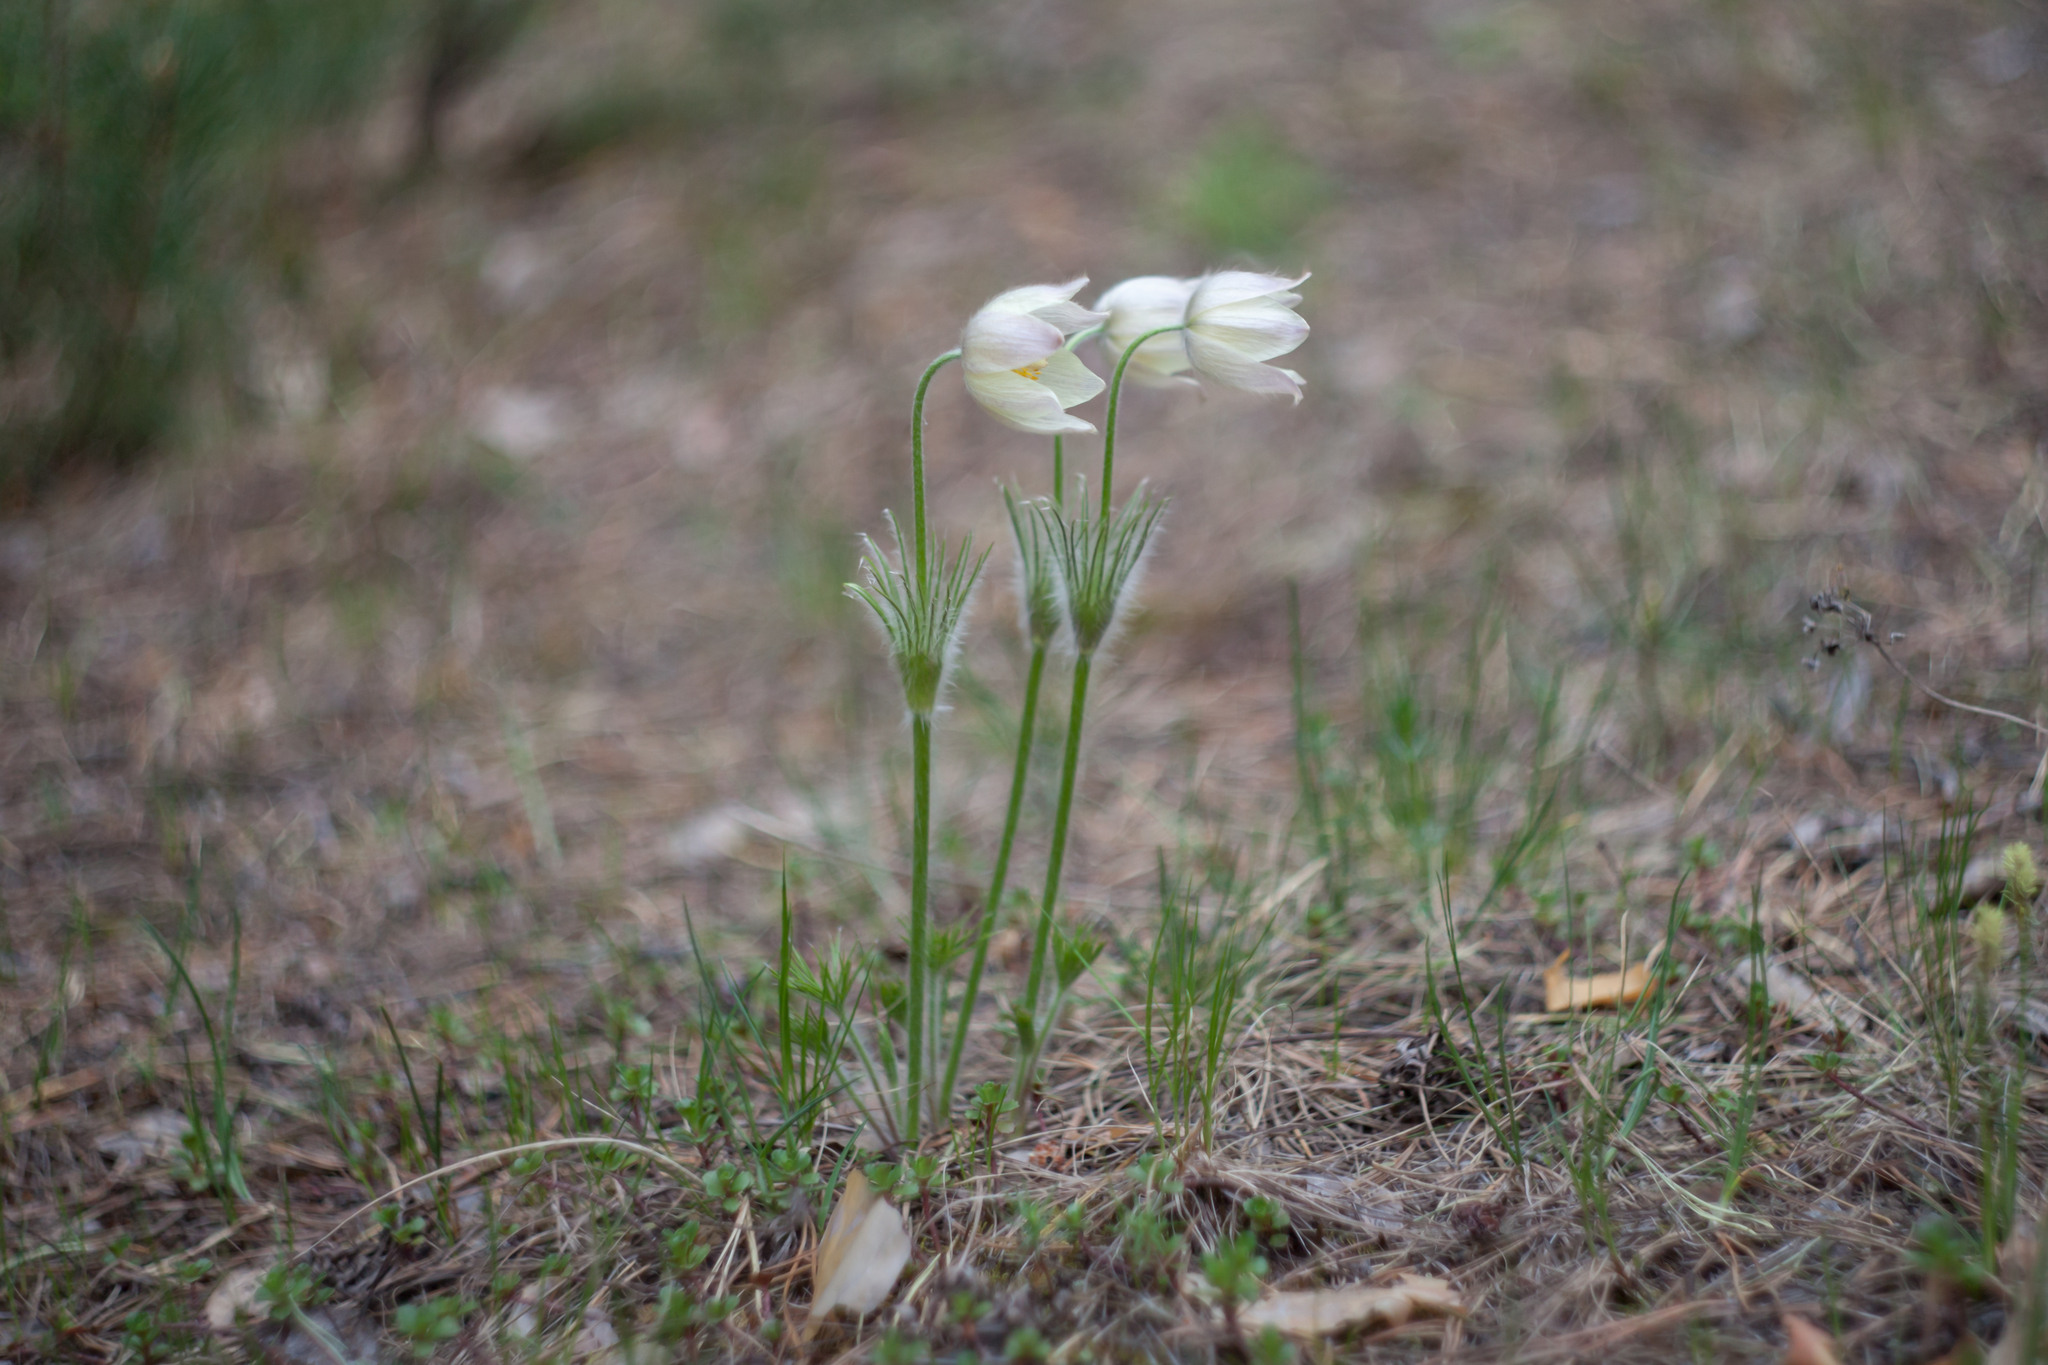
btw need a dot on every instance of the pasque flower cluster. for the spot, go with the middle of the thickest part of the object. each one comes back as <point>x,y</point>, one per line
<point>1018,351</point>
<point>1077,568</point>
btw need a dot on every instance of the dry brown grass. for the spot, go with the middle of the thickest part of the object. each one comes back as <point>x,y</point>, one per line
<point>1636,325</point>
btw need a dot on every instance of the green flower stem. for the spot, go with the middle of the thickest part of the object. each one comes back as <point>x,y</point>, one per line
<point>1056,859</point>
<point>1059,471</point>
<point>917,457</point>
<point>1116,390</point>
<point>920,903</point>
<point>998,879</point>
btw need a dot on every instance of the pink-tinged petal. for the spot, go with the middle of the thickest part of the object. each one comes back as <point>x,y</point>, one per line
<point>1233,369</point>
<point>1007,341</point>
<point>1022,403</point>
<point>1226,287</point>
<point>1070,380</point>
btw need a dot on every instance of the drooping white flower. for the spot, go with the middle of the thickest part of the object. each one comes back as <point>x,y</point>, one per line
<point>1238,319</point>
<point>1141,305</point>
<point>1016,362</point>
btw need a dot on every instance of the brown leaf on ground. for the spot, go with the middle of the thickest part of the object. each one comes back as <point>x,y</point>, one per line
<point>1806,1344</point>
<point>864,1249</point>
<point>1563,992</point>
<point>1326,1312</point>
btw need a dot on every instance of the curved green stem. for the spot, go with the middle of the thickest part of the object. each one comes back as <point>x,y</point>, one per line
<point>1116,389</point>
<point>1059,471</point>
<point>998,879</point>
<point>920,904</point>
<point>1056,857</point>
<point>917,458</point>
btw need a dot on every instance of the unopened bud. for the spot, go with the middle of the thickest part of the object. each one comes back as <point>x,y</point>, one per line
<point>2022,874</point>
<point>1987,932</point>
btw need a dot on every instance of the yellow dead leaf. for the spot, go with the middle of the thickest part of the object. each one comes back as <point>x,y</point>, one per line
<point>1806,1344</point>
<point>864,1249</point>
<point>1563,992</point>
<point>1326,1312</point>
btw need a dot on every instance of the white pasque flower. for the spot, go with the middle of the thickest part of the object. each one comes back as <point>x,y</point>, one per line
<point>1141,305</point>
<point>1018,367</point>
<point>1237,319</point>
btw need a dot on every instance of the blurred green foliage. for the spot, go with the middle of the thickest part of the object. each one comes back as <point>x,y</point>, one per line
<point>1252,194</point>
<point>137,141</point>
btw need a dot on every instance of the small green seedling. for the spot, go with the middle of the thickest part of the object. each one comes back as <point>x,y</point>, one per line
<point>426,1323</point>
<point>728,1185</point>
<point>403,1231</point>
<point>684,1248</point>
<point>1233,1270</point>
<point>1269,1220</point>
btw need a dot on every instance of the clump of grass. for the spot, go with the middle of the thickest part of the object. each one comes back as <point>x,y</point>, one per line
<point>146,132</point>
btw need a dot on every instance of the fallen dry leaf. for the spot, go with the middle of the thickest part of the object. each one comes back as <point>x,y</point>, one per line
<point>233,1296</point>
<point>1326,1312</point>
<point>1564,992</point>
<point>864,1249</point>
<point>1797,995</point>
<point>1806,1344</point>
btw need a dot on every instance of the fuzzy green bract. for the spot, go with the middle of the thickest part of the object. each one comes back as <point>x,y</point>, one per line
<point>922,620</point>
<point>1039,612</point>
<point>1098,562</point>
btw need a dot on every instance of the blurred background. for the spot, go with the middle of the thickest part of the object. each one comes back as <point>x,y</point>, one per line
<point>433,437</point>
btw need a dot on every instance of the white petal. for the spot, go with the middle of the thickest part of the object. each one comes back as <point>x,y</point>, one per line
<point>1070,380</point>
<point>1146,295</point>
<point>1022,403</point>
<point>1142,305</point>
<point>1068,317</point>
<point>1235,286</point>
<point>1156,362</point>
<point>1260,328</point>
<point>1032,297</point>
<point>1233,369</point>
<point>1169,373</point>
<point>1007,341</point>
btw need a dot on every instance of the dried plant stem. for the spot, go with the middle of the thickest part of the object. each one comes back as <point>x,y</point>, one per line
<point>674,1167</point>
<point>1838,603</point>
<point>999,878</point>
<point>1885,654</point>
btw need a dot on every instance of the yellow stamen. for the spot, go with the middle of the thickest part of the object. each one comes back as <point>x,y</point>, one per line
<point>1030,372</point>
